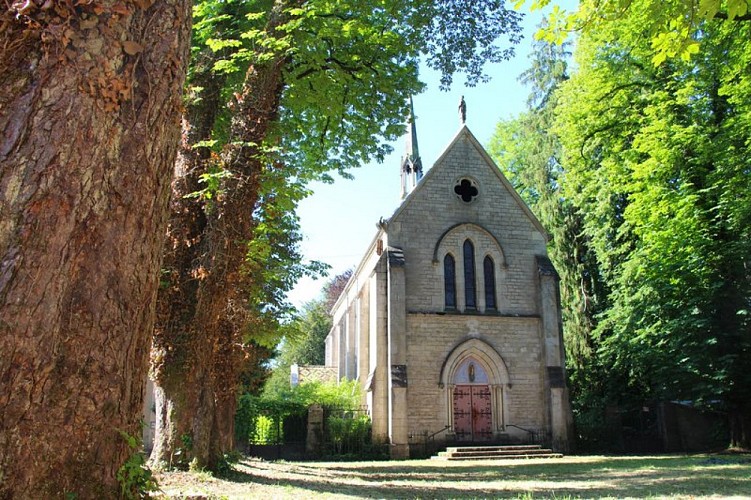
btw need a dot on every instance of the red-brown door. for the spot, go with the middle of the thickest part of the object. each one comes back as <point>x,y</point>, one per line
<point>473,416</point>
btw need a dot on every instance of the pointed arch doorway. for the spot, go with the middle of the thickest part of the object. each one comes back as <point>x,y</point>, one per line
<point>475,377</point>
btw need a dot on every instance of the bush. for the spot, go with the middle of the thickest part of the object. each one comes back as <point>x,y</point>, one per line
<point>257,416</point>
<point>265,431</point>
<point>348,434</point>
<point>134,476</point>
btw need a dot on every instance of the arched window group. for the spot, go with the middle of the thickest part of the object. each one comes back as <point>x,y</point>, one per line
<point>470,281</point>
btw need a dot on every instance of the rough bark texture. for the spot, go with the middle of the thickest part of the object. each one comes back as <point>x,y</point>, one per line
<point>206,336</point>
<point>88,132</point>
<point>180,353</point>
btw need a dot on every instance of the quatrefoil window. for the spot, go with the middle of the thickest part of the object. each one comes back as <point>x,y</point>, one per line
<point>466,190</point>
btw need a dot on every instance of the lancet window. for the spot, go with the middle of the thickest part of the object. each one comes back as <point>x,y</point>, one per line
<point>488,267</point>
<point>449,281</point>
<point>470,295</point>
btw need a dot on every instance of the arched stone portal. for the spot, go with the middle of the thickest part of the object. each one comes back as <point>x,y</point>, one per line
<point>475,379</point>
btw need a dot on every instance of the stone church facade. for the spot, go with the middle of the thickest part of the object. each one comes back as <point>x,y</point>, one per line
<point>451,321</point>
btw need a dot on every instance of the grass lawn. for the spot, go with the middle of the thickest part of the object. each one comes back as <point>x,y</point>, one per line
<point>676,476</point>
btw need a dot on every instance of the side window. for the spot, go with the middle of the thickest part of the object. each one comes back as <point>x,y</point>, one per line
<point>488,267</point>
<point>470,295</point>
<point>449,281</point>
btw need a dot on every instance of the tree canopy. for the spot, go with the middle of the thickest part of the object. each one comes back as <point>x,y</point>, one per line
<point>653,163</point>
<point>673,28</point>
<point>638,170</point>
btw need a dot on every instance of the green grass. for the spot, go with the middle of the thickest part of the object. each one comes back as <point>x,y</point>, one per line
<point>673,476</point>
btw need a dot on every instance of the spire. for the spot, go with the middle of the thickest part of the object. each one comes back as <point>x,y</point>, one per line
<point>411,170</point>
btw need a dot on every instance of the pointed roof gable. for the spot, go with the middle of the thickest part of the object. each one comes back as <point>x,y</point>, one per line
<point>464,132</point>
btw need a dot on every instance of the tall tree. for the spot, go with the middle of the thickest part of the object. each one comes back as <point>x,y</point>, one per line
<point>89,126</point>
<point>322,84</point>
<point>654,161</point>
<point>530,154</point>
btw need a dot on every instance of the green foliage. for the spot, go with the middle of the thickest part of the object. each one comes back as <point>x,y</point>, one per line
<point>348,432</point>
<point>305,336</point>
<point>529,154</point>
<point>654,164</point>
<point>187,441</point>
<point>345,394</point>
<point>273,257</point>
<point>135,478</point>
<point>258,418</point>
<point>265,431</point>
<point>637,171</point>
<point>224,465</point>
<point>245,418</point>
<point>674,28</point>
<point>349,66</point>
<point>212,180</point>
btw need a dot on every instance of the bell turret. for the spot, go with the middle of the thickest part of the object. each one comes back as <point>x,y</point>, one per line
<point>411,168</point>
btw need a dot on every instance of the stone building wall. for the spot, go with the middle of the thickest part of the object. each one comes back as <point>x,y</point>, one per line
<point>517,340</point>
<point>316,373</point>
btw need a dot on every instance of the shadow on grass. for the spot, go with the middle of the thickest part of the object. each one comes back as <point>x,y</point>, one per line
<point>594,477</point>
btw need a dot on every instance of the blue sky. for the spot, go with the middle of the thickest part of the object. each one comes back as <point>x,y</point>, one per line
<point>339,220</point>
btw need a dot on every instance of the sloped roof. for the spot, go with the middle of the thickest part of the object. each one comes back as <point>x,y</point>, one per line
<point>464,132</point>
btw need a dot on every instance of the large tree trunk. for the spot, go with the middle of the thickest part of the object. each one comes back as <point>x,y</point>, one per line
<point>226,375</point>
<point>88,131</point>
<point>221,300</point>
<point>181,353</point>
<point>207,336</point>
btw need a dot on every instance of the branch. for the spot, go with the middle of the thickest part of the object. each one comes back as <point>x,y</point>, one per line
<point>724,16</point>
<point>618,88</point>
<point>351,70</point>
<point>594,133</point>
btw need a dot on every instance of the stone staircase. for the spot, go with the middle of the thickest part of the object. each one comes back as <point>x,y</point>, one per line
<point>496,452</point>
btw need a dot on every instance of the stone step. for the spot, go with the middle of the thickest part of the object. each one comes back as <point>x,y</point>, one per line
<point>501,457</point>
<point>515,448</point>
<point>472,453</point>
<point>496,452</point>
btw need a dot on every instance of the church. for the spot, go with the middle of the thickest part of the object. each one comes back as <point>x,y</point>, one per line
<point>451,321</point>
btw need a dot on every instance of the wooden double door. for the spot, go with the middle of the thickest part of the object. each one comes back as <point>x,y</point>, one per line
<point>473,413</point>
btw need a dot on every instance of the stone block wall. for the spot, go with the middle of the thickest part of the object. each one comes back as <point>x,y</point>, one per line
<point>432,338</point>
<point>495,222</point>
<point>316,373</point>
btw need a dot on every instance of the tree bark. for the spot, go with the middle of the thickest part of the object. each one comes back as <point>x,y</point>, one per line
<point>88,133</point>
<point>207,337</point>
<point>181,353</point>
